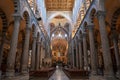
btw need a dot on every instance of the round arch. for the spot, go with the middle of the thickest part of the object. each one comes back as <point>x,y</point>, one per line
<point>92,15</point>
<point>59,13</point>
<point>85,26</point>
<point>61,28</point>
<point>26,11</point>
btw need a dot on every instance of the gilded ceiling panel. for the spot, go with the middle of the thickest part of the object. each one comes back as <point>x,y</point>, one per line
<point>59,5</point>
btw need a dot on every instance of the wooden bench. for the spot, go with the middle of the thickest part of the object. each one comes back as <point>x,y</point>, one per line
<point>43,73</point>
<point>76,73</point>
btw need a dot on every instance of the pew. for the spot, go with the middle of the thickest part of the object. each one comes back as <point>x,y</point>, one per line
<point>76,74</point>
<point>42,73</point>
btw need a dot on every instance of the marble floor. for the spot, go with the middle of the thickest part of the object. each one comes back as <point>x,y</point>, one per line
<point>59,75</point>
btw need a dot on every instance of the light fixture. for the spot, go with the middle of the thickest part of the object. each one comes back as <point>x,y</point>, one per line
<point>65,35</point>
<point>59,35</point>
<point>32,8</point>
<point>53,35</point>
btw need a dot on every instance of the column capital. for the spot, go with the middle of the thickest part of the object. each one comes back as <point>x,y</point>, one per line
<point>38,42</point>
<point>28,28</point>
<point>16,15</point>
<point>84,34</point>
<point>34,37</point>
<point>80,38</point>
<point>91,26</point>
<point>100,13</point>
<point>80,35</point>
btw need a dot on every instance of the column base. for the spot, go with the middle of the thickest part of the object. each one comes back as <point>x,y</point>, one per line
<point>96,77</point>
<point>118,75</point>
<point>20,77</point>
<point>25,73</point>
<point>32,69</point>
<point>10,73</point>
<point>9,78</point>
<point>110,78</point>
<point>25,76</point>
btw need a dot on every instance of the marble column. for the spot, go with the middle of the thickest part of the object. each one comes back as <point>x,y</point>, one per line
<point>25,55</point>
<point>41,58</point>
<point>18,66</point>
<point>45,44</point>
<point>71,57</point>
<point>38,56</point>
<point>73,64</point>
<point>68,55</point>
<point>33,53</point>
<point>105,46</point>
<point>70,52</point>
<point>76,47</point>
<point>93,53</point>
<point>13,47</point>
<point>85,51</point>
<point>80,54</point>
<point>117,56</point>
<point>48,51</point>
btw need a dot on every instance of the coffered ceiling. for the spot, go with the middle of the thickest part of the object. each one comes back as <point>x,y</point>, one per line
<point>59,5</point>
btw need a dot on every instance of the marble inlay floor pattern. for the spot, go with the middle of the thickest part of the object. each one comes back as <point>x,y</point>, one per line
<point>59,75</point>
